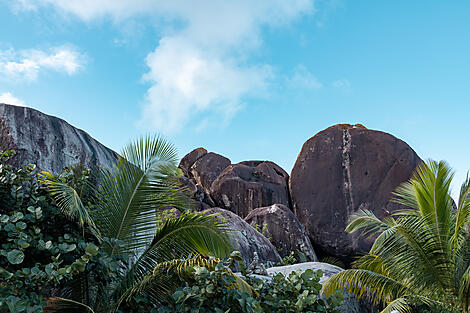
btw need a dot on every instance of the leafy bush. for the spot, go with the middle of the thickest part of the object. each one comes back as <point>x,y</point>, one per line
<point>40,250</point>
<point>215,291</point>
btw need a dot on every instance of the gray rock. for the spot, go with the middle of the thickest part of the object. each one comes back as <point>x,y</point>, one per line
<point>246,239</point>
<point>247,185</point>
<point>340,170</point>
<point>49,142</point>
<point>280,225</point>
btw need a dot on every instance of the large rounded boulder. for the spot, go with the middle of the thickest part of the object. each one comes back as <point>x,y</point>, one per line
<point>340,170</point>
<point>207,168</point>
<point>279,224</point>
<point>188,160</point>
<point>247,185</point>
<point>246,239</point>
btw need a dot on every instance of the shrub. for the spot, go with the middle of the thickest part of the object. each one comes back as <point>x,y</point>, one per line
<point>214,291</point>
<point>40,250</point>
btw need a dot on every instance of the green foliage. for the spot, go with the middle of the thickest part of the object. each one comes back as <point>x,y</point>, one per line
<point>40,251</point>
<point>421,255</point>
<point>289,260</point>
<point>215,291</point>
<point>123,211</point>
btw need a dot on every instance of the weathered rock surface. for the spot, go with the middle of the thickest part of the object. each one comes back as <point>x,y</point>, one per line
<point>49,142</point>
<point>188,160</point>
<point>246,239</point>
<point>207,168</point>
<point>247,185</point>
<point>284,230</point>
<point>349,305</point>
<point>340,170</point>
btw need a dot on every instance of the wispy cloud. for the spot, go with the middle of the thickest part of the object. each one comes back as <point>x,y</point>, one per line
<point>203,65</point>
<point>26,64</point>
<point>303,78</point>
<point>8,98</point>
<point>341,84</point>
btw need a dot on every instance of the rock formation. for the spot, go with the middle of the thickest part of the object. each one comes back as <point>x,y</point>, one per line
<point>49,142</point>
<point>246,239</point>
<point>247,185</point>
<point>188,160</point>
<point>280,225</point>
<point>340,170</point>
<point>207,168</point>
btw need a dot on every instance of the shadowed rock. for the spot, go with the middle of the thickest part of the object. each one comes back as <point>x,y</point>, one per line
<point>207,168</point>
<point>49,142</point>
<point>247,185</point>
<point>280,225</point>
<point>188,160</point>
<point>246,239</point>
<point>340,170</point>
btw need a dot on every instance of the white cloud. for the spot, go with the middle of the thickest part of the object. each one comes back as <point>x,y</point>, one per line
<point>303,78</point>
<point>8,98</point>
<point>342,84</point>
<point>26,64</point>
<point>201,65</point>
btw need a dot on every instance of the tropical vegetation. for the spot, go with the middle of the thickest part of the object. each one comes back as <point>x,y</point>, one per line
<point>420,259</point>
<point>113,223</point>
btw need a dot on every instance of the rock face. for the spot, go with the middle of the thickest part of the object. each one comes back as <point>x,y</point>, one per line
<point>247,185</point>
<point>340,170</point>
<point>349,305</point>
<point>207,168</point>
<point>49,142</point>
<point>188,160</point>
<point>284,230</point>
<point>246,239</point>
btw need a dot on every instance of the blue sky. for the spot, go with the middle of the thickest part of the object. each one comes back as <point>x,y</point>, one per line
<point>247,79</point>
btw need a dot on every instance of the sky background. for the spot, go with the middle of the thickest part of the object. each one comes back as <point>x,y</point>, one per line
<point>246,79</point>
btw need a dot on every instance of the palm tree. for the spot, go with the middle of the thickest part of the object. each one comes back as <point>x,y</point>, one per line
<point>421,255</point>
<point>124,211</point>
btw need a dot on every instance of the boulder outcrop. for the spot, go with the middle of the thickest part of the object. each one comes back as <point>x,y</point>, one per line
<point>246,239</point>
<point>49,142</point>
<point>280,225</point>
<point>340,170</point>
<point>247,185</point>
<point>207,168</point>
<point>188,160</point>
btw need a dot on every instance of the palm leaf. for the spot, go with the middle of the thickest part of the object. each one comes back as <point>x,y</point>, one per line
<point>130,194</point>
<point>68,200</point>
<point>184,237</point>
<point>62,305</point>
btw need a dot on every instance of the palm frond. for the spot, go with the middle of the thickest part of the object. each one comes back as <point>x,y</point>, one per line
<point>463,212</point>
<point>166,276</point>
<point>130,194</point>
<point>187,236</point>
<point>368,223</point>
<point>401,305</point>
<point>364,284</point>
<point>62,305</point>
<point>68,200</point>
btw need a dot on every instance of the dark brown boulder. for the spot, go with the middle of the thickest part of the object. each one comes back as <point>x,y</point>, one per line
<point>246,239</point>
<point>188,160</point>
<point>207,168</point>
<point>280,225</point>
<point>247,185</point>
<point>49,142</point>
<point>340,170</point>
